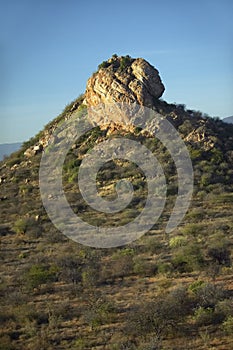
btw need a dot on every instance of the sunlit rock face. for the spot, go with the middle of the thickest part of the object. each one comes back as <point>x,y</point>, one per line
<point>124,79</point>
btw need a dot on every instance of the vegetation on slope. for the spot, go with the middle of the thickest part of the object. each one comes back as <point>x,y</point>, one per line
<point>160,292</point>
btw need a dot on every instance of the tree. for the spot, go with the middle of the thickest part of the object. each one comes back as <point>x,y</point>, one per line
<point>162,315</point>
<point>71,269</point>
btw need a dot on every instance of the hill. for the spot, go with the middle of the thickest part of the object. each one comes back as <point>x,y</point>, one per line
<point>228,120</point>
<point>7,148</point>
<point>164,290</point>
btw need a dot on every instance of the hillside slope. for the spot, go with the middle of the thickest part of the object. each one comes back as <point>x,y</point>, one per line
<point>228,120</point>
<point>162,291</point>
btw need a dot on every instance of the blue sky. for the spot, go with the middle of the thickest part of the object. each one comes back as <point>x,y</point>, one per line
<point>49,48</point>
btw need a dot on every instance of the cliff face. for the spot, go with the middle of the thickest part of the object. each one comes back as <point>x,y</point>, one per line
<point>123,79</point>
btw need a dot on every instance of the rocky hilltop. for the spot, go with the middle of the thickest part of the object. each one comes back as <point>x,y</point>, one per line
<point>124,79</point>
<point>159,290</point>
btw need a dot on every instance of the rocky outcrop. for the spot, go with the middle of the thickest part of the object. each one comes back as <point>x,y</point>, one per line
<point>201,136</point>
<point>123,79</point>
<point>32,151</point>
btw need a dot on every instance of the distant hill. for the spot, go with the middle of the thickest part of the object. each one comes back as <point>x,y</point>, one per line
<point>228,120</point>
<point>7,148</point>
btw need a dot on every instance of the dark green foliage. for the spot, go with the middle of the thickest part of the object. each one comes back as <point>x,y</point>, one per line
<point>207,316</point>
<point>104,64</point>
<point>125,62</point>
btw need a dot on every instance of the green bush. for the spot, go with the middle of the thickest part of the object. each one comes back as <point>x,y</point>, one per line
<point>164,268</point>
<point>193,229</point>
<point>188,258</point>
<point>27,226</point>
<point>124,63</point>
<point>177,241</point>
<point>227,325</point>
<point>40,274</point>
<point>20,226</point>
<point>104,64</point>
<point>196,286</point>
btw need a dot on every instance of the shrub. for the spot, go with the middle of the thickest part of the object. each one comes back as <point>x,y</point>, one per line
<point>125,61</point>
<point>188,258</point>
<point>196,214</point>
<point>70,269</point>
<point>219,253</point>
<point>161,316</point>
<point>99,312</point>
<point>40,274</point>
<point>122,266</point>
<point>104,64</point>
<point>20,226</point>
<point>192,229</point>
<point>227,325</point>
<point>27,225</point>
<point>186,127</point>
<point>196,286</point>
<point>225,307</point>
<point>177,241</point>
<point>164,267</point>
<point>143,268</point>
<point>208,295</point>
<point>90,276</point>
<point>206,316</point>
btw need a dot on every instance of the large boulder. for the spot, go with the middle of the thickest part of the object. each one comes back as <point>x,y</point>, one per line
<point>124,79</point>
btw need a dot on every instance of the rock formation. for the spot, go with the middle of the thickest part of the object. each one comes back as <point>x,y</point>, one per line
<point>124,79</point>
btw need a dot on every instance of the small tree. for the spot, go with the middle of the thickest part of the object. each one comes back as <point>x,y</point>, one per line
<point>161,316</point>
<point>70,269</point>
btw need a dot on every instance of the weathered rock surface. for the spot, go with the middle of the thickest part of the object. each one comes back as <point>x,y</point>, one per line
<point>123,79</point>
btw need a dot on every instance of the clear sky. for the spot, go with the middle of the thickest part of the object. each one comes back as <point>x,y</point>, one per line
<point>49,48</point>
